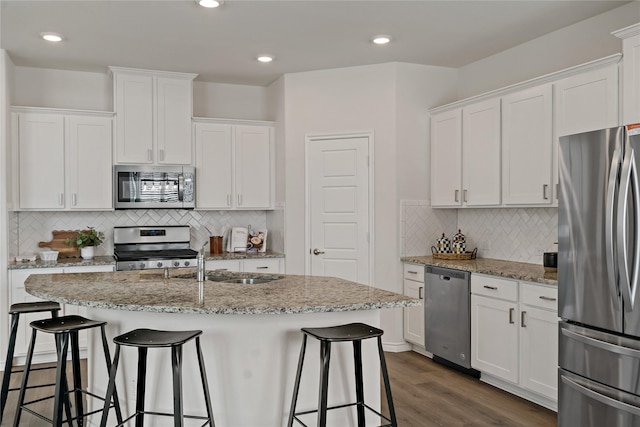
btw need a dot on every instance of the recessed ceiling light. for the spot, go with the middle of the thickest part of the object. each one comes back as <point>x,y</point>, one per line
<point>265,58</point>
<point>381,39</point>
<point>210,3</point>
<point>51,37</point>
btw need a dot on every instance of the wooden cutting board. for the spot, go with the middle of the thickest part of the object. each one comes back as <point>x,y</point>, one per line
<point>58,244</point>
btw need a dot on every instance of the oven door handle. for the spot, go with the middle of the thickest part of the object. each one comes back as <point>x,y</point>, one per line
<point>181,187</point>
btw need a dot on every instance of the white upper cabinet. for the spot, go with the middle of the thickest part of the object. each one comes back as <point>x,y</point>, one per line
<point>446,155</point>
<point>586,101</point>
<point>481,153</point>
<point>254,159</point>
<point>64,160</point>
<point>153,116</point>
<point>582,103</point>
<point>89,164</point>
<point>40,151</point>
<point>235,165</point>
<point>214,165</point>
<point>527,146</point>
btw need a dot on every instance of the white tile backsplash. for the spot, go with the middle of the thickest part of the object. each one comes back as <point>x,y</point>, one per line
<point>421,226</point>
<point>513,234</point>
<point>34,227</point>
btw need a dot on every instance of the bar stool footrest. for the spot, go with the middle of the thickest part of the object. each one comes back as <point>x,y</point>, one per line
<point>162,414</point>
<point>346,405</point>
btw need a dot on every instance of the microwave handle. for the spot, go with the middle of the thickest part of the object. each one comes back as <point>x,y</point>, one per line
<point>181,187</point>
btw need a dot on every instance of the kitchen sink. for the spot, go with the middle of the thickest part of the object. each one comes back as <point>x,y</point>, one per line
<point>212,277</point>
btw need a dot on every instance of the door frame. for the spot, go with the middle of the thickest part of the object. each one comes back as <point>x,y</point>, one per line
<point>308,140</point>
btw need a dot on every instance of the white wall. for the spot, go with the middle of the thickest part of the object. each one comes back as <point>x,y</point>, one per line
<point>579,43</point>
<point>229,101</point>
<point>42,87</point>
<point>359,99</point>
<point>276,218</point>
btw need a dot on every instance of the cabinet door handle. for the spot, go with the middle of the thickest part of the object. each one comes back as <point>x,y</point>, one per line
<point>545,190</point>
<point>61,199</point>
<point>522,319</point>
<point>465,196</point>
<point>161,155</point>
<point>228,199</point>
<point>493,288</point>
<point>149,157</point>
<point>455,195</point>
<point>420,292</point>
<point>546,298</point>
<point>511,311</point>
<point>73,199</point>
<point>239,199</point>
<point>412,272</point>
<point>261,268</point>
<point>557,190</point>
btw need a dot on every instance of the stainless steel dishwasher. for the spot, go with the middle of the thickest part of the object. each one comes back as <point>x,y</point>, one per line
<point>447,317</point>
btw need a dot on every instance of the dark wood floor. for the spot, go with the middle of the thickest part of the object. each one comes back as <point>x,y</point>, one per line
<point>425,394</point>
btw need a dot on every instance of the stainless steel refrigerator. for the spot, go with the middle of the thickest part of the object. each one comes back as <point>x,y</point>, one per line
<point>598,267</point>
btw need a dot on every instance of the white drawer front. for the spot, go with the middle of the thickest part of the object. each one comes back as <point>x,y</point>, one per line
<point>494,287</point>
<point>414,272</point>
<point>224,265</point>
<point>270,265</point>
<point>539,296</point>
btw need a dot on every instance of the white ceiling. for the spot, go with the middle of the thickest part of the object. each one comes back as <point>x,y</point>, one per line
<point>221,44</point>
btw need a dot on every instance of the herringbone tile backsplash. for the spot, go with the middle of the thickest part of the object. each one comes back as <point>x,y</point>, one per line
<point>34,227</point>
<point>511,234</point>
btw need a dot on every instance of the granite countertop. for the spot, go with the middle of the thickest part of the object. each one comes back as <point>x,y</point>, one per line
<point>149,291</point>
<point>495,267</point>
<point>63,263</point>
<point>109,260</point>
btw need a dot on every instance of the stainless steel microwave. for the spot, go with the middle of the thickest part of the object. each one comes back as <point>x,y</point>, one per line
<point>154,187</point>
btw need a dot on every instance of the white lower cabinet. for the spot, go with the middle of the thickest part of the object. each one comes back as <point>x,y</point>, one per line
<point>514,336</point>
<point>266,265</point>
<point>45,345</point>
<point>413,279</point>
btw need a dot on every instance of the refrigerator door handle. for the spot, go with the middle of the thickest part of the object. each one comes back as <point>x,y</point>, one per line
<point>609,214</point>
<point>601,398</point>
<point>628,193</point>
<point>604,345</point>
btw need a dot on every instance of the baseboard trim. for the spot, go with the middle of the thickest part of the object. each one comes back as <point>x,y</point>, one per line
<point>396,347</point>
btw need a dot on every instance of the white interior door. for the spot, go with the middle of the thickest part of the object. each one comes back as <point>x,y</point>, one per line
<point>338,210</point>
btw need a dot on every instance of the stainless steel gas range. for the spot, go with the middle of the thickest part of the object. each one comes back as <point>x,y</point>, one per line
<point>142,248</point>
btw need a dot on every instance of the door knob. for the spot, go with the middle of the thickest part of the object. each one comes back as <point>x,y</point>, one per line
<point>317,252</point>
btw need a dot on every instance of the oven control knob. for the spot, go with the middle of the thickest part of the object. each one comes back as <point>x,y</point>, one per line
<point>176,263</point>
<point>142,266</point>
<point>131,266</point>
<point>187,263</point>
<point>159,264</point>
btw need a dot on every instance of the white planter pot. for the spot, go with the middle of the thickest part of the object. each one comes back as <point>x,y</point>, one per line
<point>88,252</point>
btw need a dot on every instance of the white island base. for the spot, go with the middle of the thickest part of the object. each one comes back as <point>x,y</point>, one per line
<point>251,364</point>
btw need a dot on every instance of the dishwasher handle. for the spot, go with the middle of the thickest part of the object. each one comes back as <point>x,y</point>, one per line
<point>446,273</point>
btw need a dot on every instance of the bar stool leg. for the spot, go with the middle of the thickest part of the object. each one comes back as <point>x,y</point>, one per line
<point>387,385</point>
<point>296,385</point>
<point>107,358</point>
<point>25,379</point>
<point>8,364</point>
<point>110,388</point>
<point>325,356</point>
<point>357,363</point>
<point>176,364</point>
<point>77,377</point>
<point>205,383</point>
<point>59,397</point>
<point>142,374</point>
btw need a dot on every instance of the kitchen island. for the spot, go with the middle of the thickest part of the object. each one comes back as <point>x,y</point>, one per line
<point>251,338</point>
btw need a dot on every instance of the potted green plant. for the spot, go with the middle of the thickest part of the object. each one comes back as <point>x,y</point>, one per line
<point>87,240</point>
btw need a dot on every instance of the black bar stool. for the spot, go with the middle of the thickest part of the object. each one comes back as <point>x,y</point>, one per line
<point>15,311</point>
<point>354,332</point>
<point>144,339</point>
<point>65,329</point>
